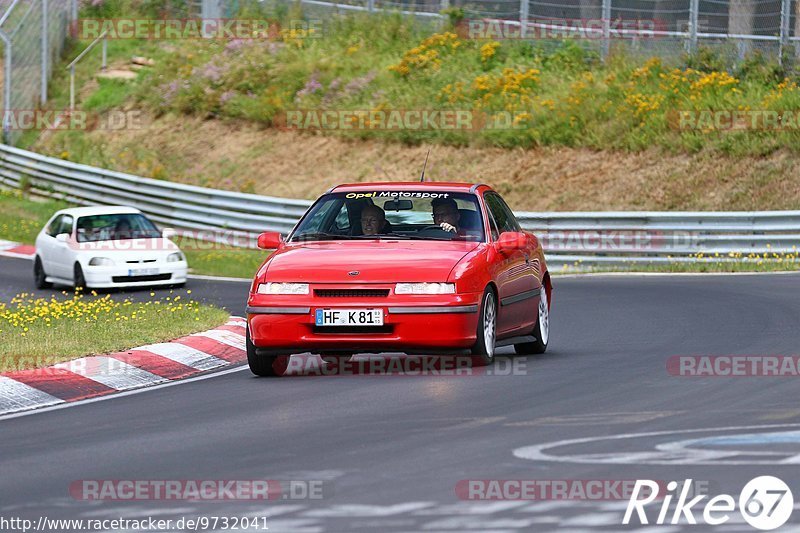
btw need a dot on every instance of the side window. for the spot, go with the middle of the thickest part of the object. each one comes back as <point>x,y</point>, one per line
<point>323,216</point>
<point>342,220</point>
<point>66,225</point>
<point>509,213</point>
<point>501,214</point>
<point>55,224</point>
<point>493,225</point>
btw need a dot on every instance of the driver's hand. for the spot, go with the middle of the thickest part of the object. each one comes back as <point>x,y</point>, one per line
<point>447,227</point>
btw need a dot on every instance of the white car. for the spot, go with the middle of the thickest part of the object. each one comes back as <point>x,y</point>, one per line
<point>108,246</point>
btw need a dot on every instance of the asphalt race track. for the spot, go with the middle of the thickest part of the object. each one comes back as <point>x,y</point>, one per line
<point>390,450</point>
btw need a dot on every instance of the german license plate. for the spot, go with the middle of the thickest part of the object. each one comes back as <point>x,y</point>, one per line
<point>143,272</point>
<point>348,317</point>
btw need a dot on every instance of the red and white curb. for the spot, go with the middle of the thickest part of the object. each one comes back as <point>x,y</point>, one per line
<point>90,377</point>
<point>15,249</point>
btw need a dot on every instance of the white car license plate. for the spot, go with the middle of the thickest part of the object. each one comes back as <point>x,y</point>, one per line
<point>143,272</point>
<point>348,317</point>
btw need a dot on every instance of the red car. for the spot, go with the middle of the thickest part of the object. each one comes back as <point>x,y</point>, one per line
<point>399,267</point>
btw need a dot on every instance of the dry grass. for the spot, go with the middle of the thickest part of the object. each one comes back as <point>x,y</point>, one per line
<point>241,156</point>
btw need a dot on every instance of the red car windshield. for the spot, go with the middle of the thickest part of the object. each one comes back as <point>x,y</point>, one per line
<point>418,215</point>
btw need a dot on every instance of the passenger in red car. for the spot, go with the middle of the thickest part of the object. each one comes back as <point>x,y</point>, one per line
<point>373,221</point>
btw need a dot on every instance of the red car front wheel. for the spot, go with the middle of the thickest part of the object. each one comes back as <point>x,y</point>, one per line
<point>264,365</point>
<point>483,351</point>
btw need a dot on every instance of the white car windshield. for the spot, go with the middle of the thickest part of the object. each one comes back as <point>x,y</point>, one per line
<point>115,227</point>
<point>391,214</point>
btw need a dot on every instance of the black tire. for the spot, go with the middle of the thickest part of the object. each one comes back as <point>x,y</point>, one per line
<point>484,349</point>
<point>39,277</point>
<point>77,276</point>
<point>540,344</point>
<point>264,365</point>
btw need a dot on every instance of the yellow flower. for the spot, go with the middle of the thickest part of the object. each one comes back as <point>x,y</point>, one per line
<point>488,50</point>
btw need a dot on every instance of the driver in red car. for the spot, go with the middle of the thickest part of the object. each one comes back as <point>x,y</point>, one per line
<point>446,214</point>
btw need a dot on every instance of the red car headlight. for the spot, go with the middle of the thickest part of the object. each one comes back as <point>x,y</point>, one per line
<point>282,288</point>
<point>425,288</point>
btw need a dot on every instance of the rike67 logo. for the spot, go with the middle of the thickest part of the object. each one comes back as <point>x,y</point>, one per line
<point>765,503</point>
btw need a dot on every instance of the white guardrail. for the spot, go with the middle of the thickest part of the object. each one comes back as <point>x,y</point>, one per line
<point>589,238</point>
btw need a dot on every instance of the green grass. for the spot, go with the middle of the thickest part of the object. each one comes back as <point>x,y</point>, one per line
<point>38,332</point>
<point>558,95</point>
<point>111,94</point>
<point>222,260</point>
<point>783,263</point>
<point>22,217</point>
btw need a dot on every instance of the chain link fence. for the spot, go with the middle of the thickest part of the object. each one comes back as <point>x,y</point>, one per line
<point>664,28</point>
<point>32,33</point>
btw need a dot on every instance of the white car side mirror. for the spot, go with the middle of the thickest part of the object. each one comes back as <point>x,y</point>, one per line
<point>168,233</point>
<point>62,237</point>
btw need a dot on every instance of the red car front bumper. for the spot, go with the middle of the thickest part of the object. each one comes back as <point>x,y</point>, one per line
<point>285,324</point>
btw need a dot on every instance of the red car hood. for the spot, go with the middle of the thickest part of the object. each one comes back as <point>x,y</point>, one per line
<point>375,261</point>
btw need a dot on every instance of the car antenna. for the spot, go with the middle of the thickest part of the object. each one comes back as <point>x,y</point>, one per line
<point>425,164</point>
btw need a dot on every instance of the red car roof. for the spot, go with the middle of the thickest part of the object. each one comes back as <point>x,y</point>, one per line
<point>407,186</point>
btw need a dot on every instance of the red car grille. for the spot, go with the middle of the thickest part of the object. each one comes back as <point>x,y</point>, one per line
<point>351,293</point>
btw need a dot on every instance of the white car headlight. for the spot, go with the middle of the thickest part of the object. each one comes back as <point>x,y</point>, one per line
<point>425,288</point>
<point>101,261</point>
<point>283,288</point>
<point>174,258</point>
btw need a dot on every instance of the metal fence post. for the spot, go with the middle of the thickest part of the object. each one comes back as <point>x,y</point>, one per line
<point>694,11</point>
<point>606,16</point>
<point>786,15</point>
<point>72,88</point>
<point>7,83</point>
<point>45,52</point>
<point>371,5</point>
<point>524,15</point>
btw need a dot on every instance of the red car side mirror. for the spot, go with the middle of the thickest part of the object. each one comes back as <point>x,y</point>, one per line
<point>510,241</point>
<point>270,240</point>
